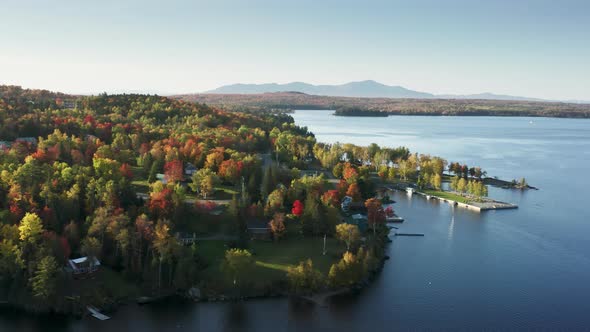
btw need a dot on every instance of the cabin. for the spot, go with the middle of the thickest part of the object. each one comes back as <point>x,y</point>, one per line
<point>190,169</point>
<point>258,229</point>
<point>348,205</point>
<point>83,266</point>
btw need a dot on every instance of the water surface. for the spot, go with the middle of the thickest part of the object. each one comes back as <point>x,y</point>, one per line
<point>515,269</point>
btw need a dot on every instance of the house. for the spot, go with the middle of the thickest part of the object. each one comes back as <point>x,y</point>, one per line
<point>190,169</point>
<point>360,220</point>
<point>186,238</point>
<point>258,229</point>
<point>32,141</point>
<point>162,178</point>
<point>83,265</point>
<point>348,205</point>
<point>5,145</point>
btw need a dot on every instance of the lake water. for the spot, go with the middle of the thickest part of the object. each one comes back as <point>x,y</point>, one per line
<point>515,269</point>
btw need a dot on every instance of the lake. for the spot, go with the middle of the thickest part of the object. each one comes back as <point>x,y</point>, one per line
<point>515,269</point>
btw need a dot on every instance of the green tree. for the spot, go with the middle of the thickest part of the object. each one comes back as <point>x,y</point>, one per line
<point>44,280</point>
<point>304,279</point>
<point>237,264</point>
<point>31,228</point>
<point>348,234</point>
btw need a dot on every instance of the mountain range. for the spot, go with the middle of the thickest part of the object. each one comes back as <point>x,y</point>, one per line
<point>362,89</point>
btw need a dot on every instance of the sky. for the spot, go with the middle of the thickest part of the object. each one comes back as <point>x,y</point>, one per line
<point>532,48</point>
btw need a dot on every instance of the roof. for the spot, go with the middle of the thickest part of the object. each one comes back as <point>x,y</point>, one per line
<point>81,260</point>
<point>255,223</point>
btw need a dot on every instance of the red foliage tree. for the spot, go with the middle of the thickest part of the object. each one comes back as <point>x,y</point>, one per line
<point>173,171</point>
<point>354,192</point>
<point>160,203</point>
<point>375,213</point>
<point>205,207</point>
<point>330,197</point>
<point>125,170</point>
<point>342,187</point>
<point>230,170</point>
<point>297,208</point>
<point>349,173</point>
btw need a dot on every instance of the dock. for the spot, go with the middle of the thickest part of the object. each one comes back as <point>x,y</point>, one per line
<point>408,234</point>
<point>97,314</point>
<point>485,205</point>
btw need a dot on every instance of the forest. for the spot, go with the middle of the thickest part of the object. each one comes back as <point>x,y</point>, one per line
<point>449,107</point>
<point>108,198</point>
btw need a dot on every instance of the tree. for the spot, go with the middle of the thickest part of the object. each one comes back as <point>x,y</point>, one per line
<point>31,228</point>
<point>348,234</point>
<point>91,247</point>
<point>166,247</point>
<point>462,186</point>
<point>277,226</point>
<point>455,183</point>
<point>354,192</point>
<point>297,208</point>
<point>236,264</point>
<point>375,213</point>
<point>173,171</point>
<point>230,170</point>
<point>44,280</point>
<point>347,272</point>
<point>203,182</point>
<point>436,181</point>
<point>304,279</point>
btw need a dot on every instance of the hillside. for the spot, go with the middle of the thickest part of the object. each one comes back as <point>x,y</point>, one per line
<point>405,106</point>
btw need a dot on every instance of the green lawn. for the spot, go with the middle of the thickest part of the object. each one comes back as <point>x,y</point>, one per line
<point>273,258</point>
<point>447,195</point>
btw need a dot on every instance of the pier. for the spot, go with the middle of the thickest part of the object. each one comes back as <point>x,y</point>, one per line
<point>97,314</point>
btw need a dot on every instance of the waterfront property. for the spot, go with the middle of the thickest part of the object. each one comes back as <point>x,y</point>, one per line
<point>83,266</point>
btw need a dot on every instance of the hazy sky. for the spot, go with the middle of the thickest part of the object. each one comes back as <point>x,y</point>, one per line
<point>534,48</point>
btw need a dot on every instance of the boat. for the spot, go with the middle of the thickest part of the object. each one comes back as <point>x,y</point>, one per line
<point>410,190</point>
<point>394,218</point>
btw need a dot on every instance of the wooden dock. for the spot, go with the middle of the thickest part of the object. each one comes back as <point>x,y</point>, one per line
<point>97,314</point>
<point>409,234</point>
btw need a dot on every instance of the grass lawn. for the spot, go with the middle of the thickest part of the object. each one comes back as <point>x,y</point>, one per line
<point>447,195</point>
<point>141,186</point>
<point>273,258</point>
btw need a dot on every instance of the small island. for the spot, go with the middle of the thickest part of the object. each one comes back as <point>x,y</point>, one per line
<point>350,111</point>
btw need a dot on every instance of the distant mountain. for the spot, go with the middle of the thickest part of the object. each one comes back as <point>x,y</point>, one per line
<point>362,89</point>
<point>490,96</point>
<point>367,89</point>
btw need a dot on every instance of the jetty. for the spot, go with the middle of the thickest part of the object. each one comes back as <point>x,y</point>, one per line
<point>97,314</point>
<point>409,234</point>
<point>485,205</point>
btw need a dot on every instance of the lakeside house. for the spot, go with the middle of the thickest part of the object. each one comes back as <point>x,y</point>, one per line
<point>360,220</point>
<point>83,266</point>
<point>190,169</point>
